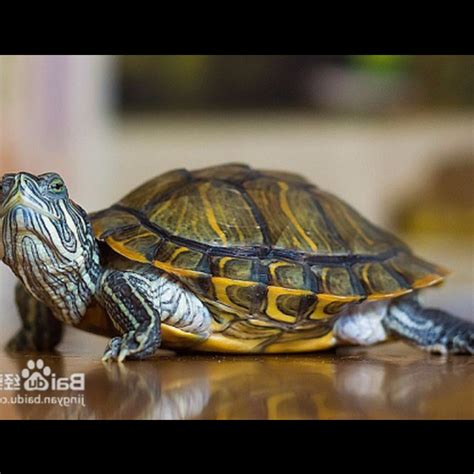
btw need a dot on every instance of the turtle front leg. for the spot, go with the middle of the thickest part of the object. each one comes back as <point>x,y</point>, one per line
<point>130,301</point>
<point>40,330</point>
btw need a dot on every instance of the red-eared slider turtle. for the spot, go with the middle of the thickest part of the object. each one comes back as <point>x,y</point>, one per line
<point>225,259</point>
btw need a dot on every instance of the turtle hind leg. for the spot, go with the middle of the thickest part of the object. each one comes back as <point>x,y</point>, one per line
<point>431,329</point>
<point>40,330</point>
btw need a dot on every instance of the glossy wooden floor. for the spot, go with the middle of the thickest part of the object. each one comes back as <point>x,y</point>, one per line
<point>391,381</point>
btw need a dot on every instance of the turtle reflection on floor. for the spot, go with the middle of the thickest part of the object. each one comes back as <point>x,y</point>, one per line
<point>389,382</point>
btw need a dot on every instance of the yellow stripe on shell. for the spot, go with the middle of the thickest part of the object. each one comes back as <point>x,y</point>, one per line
<point>386,296</point>
<point>126,251</point>
<point>222,263</point>
<point>182,213</point>
<point>318,312</point>
<point>221,284</point>
<point>289,213</point>
<point>138,257</point>
<point>324,279</point>
<point>261,323</point>
<point>211,217</point>
<point>273,266</point>
<point>365,277</point>
<point>136,237</point>
<point>177,252</point>
<point>428,280</point>
<point>272,310</point>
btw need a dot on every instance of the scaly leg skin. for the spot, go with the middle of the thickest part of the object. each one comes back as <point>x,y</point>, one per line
<point>130,301</point>
<point>430,329</point>
<point>362,325</point>
<point>40,331</point>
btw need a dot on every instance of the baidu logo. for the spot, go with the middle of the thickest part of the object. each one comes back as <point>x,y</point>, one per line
<point>38,377</point>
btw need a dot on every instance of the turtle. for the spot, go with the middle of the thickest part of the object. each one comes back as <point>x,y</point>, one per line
<point>226,258</point>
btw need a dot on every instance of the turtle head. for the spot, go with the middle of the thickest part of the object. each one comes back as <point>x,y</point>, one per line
<point>47,240</point>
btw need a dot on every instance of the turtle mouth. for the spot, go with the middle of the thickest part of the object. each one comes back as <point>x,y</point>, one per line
<point>19,200</point>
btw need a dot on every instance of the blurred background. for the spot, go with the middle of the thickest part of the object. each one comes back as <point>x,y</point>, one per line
<point>392,135</point>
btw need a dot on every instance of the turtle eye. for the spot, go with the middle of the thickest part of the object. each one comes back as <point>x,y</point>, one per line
<point>56,186</point>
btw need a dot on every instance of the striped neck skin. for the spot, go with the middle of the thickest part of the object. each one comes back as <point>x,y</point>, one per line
<point>48,242</point>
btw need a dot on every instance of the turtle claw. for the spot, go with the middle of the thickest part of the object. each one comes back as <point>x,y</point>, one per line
<point>464,344</point>
<point>132,345</point>
<point>113,350</point>
<point>457,340</point>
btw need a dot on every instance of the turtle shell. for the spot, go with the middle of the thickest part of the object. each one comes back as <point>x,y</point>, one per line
<point>261,242</point>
